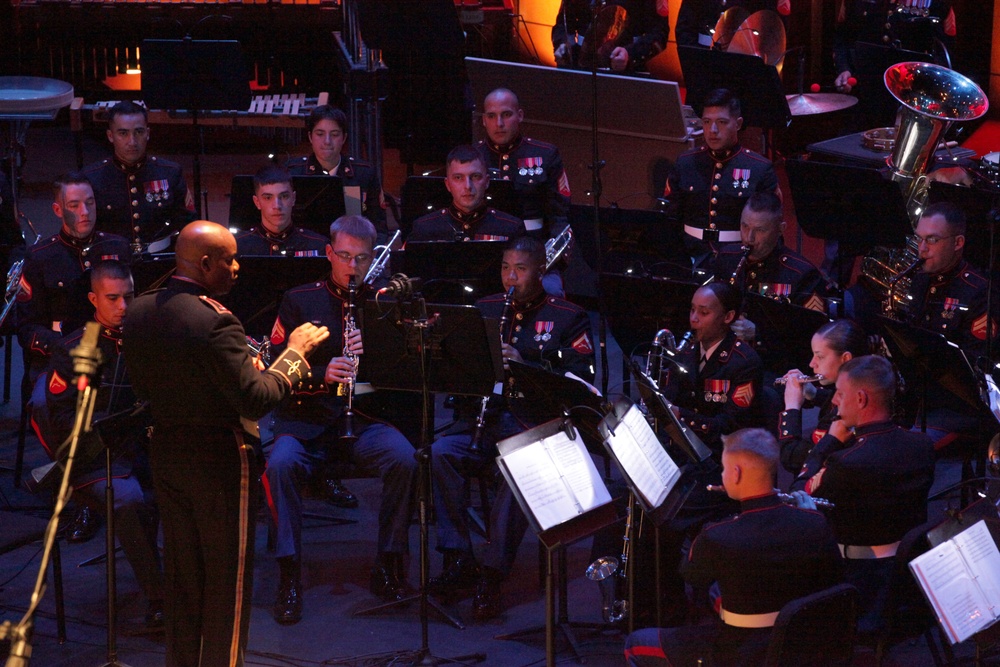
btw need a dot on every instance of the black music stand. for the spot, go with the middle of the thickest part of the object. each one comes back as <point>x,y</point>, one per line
<point>457,272</point>
<point>263,282</point>
<point>319,200</point>
<point>151,271</point>
<point>756,84</point>
<point>451,350</point>
<point>549,395</point>
<point>839,202</point>
<point>637,307</point>
<point>934,361</point>
<point>876,105</point>
<point>640,241</point>
<point>195,75</point>
<point>780,326</point>
<point>425,194</point>
<point>555,540</point>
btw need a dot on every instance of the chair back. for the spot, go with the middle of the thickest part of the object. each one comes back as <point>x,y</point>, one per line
<point>816,630</point>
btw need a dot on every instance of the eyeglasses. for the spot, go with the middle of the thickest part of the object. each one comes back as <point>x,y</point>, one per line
<point>346,257</point>
<point>931,240</point>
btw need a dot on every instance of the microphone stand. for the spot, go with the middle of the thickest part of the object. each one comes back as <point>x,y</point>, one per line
<point>596,188</point>
<point>87,360</point>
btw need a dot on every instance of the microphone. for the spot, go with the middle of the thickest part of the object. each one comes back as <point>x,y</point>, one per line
<point>87,357</point>
<point>400,286</point>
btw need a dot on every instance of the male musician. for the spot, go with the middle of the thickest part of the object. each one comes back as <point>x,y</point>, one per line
<point>708,187</point>
<point>468,218</point>
<point>696,19</point>
<point>764,557</point>
<point>56,278</point>
<point>187,355</point>
<point>535,167</point>
<point>275,198</point>
<point>542,331</point>
<point>876,473</point>
<point>327,129</point>
<point>309,427</point>
<point>139,196</point>
<point>644,35</point>
<point>52,416</point>
<point>770,269</point>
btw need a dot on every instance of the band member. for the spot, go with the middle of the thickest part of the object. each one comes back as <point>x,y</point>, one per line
<point>139,196</point>
<point>696,19</point>
<point>948,297</point>
<point>833,345</point>
<point>647,26</point>
<point>53,412</point>
<point>535,167</point>
<point>764,557</point>
<point>275,198</point>
<point>876,473</point>
<point>542,331</point>
<point>709,186</point>
<point>56,278</point>
<point>307,427</point>
<point>327,129</point>
<point>187,355</point>
<point>468,218</point>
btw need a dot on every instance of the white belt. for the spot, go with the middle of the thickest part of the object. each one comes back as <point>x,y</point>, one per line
<point>533,223</point>
<point>854,552</point>
<point>748,620</point>
<point>724,237</point>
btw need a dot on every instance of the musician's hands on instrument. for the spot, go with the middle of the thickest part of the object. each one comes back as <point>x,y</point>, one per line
<point>340,370</point>
<point>794,397</point>
<point>354,342</point>
<point>744,329</point>
<point>803,500</point>
<point>306,337</point>
<point>510,353</point>
<point>841,82</point>
<point>839,430</point>
<point>619,59</point>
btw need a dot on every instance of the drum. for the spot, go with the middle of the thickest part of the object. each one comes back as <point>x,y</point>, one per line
<point>989,167</point>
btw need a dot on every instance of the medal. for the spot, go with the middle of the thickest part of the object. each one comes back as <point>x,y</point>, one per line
<point>543,331</point>
<point>741,176</point>
<point>522,171</point>
<point>716,390</point>
<point>950,306</point>
<point>149,197</point>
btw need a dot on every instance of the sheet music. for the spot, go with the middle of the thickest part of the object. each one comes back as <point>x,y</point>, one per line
<point>652,471</point>
<point>950,582</point>
<point>352,200</point>
<point>983,558</point>
<point>538,469</point>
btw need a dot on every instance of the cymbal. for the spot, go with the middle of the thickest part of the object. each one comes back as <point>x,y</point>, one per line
<point>816,103</point>
<point>762,34</point>
<point>602,37</point>
<point>729,22</point>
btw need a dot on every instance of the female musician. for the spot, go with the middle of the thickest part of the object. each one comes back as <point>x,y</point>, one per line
<point>833,345</point>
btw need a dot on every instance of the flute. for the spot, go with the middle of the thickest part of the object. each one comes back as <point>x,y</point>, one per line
<point>803,379</point>
<point>786,498</point>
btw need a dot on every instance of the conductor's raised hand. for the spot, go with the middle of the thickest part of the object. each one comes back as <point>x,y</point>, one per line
<point>306,337</point>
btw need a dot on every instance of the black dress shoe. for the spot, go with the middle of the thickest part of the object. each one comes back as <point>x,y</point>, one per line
<point>288,605</point>
<point>154,615</point>
<point>486,604</point>
<point>84,525</point>
<point>339,495</point>
<point>460,572</point>
<point>388,581</point>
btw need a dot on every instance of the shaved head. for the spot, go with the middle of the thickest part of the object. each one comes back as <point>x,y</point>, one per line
<point>206,253</point>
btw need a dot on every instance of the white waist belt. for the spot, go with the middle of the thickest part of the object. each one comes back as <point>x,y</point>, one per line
<point>748,620</point>
<point>860,553</point>
<point>724,237</point>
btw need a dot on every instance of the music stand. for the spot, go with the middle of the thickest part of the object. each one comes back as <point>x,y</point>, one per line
<point>838,202</point>
<point>456,272</point>
<point>453,350</point>
<point>319,200</point>
<point>425,194</point>
<point>151,271</point>
<point>780,326</point>
<point>876,106</point>
<point>644,241</point>
<point>756,84</point>
<point>263,282</point>
<point>549,395</point>
<point>195,75</point>
<point>637,307</point>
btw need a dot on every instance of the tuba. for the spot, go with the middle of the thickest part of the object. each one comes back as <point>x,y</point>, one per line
<point>932,98</point>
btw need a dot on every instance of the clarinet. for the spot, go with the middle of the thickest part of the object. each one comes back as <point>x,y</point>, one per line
<point>477,435</point>
<point>347,436</point>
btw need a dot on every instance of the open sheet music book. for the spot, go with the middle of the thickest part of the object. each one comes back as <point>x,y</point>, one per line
<point>961,579</point>
<point>641,457</point>
<point>552,474</point>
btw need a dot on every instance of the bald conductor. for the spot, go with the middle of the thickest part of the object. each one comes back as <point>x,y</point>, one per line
<point>187,355</point>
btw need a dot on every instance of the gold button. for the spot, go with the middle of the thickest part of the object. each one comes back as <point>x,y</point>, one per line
<point>712,212</point>
<point>933,290</point>
<point>135,216</point>
<point>133,190</point>
<point>513,340</point>
<point>714,200</point>
<point>87,264</point>
<point>135,202</point>
<point>519,316</point>
<point>131,177</point>
<point>715,188</point>
<point>136,228</point>
<point>718,176</point>
<point>506,167</point>
<point>718,165</point>
<point>517,328</point>
<point>711,225</point>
